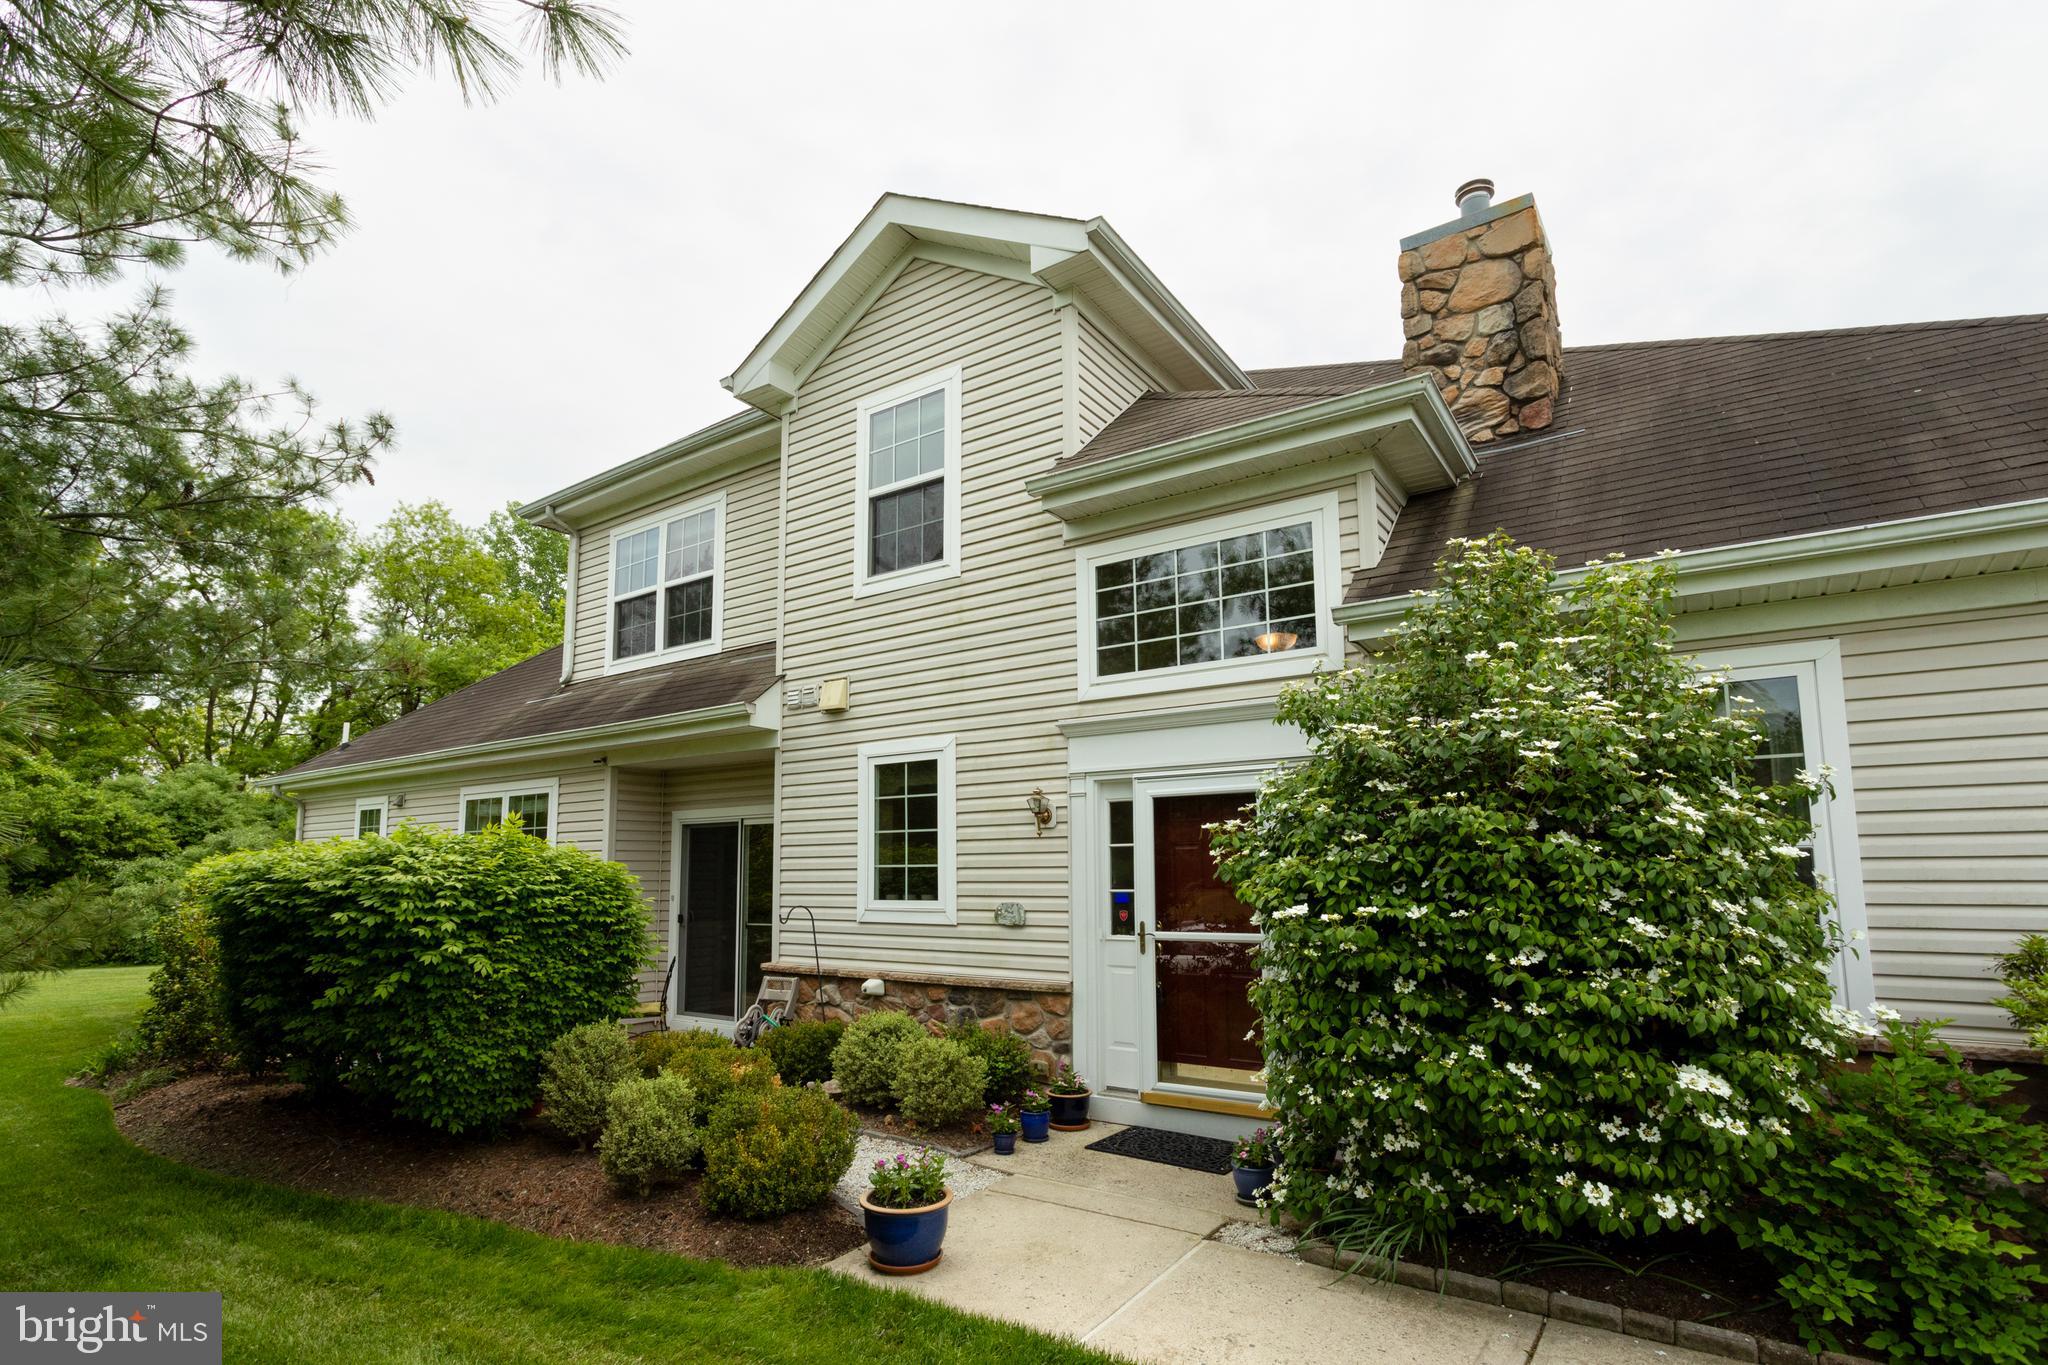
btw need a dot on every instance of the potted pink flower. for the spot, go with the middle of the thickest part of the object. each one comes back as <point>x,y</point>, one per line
<point>905,1211</point>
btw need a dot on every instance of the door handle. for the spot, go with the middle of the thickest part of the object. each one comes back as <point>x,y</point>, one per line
<point>1141,938</point>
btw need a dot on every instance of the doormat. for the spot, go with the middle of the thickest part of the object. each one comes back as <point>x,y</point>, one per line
<point>1190,1153</point>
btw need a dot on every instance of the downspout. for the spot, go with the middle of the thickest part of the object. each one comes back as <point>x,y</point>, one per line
<point>548,519</point>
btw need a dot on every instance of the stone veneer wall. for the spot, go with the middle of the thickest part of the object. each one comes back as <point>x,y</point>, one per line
<point>1479,309</point>
<point>1043,1019</point>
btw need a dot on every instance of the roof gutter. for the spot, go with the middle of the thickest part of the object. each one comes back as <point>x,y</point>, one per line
<point>1333,417</point>
<point>719,438</point>
<point>2005,528</point>
<point>682,725</point>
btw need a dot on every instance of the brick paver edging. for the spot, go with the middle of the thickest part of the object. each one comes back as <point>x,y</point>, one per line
<point>1528,1298</point>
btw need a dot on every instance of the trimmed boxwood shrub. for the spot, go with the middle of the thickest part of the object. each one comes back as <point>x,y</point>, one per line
<point>1898,1222</point>
<point>650,1134</point>
<point>774,1151</point>
<point>656,1050</point>
<point>864,1063</point>
<point>802,1049</point>
<point>1005,1058</point>
<point>578,1073</point>
<point>937,1081</point>
<point>183,1024</point>
<point>425,972</point>
<point>716,1074</point>
<point>1536,944</point>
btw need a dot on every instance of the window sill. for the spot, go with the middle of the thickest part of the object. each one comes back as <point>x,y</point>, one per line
<point>921,576</point>
<point>659,657</point>
<point>1220,673</point>
<point>908,912</point>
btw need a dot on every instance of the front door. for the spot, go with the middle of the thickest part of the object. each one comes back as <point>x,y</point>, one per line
<point>1195,942</point>
<point>723,927</point>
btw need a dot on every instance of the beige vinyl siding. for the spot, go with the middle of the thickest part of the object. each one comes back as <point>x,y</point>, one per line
<point>1948,734</point>
<point>1109,380</point>
<point>435,799</point>
<point>750,508</point>
<point>1388,500</point>
<point>986,658</point>
<point>640,841</point>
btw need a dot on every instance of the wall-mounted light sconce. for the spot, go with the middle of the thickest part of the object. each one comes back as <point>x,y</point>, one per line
<point>1276,641</point>
<point>1041,809</point>
<point>398,801</point>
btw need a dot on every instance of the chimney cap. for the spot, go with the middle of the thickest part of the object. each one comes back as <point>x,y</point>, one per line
<point>1474,197</point>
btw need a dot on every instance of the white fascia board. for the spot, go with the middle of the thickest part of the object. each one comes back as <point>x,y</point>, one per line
<point>1247,447</point>
<point>1046,245</point>
<point>744,434</point>
<point>763,713</point>
<point>2006,528</point>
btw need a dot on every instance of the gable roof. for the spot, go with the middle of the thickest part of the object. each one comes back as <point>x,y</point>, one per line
<point>1712,441</point>
<point>528,701</point>
<point>1084,257</point>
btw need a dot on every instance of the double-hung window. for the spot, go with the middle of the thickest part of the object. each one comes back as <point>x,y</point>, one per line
<point>370,815</point>
<point>532,802</point>
<point>666,585</point>
<point>1249,594</point>
<point>906,855</point>
<point>908,517</point>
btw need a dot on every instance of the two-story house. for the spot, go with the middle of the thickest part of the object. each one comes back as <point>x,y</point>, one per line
<point>921,675</point>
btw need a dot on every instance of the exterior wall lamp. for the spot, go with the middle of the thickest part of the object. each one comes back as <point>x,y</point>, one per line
<point>1041,809</point>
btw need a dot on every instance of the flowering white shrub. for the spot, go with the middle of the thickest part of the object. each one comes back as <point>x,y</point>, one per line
<point>1537,947</point>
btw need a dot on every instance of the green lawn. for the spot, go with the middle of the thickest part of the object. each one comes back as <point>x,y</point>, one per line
<point>308,1278</point>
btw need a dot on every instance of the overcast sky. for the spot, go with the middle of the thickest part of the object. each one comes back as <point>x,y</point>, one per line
<point>542,288</point>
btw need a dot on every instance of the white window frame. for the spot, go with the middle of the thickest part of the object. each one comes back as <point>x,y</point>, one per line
<point>869,907</point>
<point>1836,857</point>
<point>714,503</point>
<point>948,564</point>
<point>380,804</point>
<point>1319,509</point>
<point>544,786</point>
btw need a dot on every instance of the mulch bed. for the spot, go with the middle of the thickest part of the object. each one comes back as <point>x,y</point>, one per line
<point>1707,1277</point>
<point>964,1138</point>
<point>275,1131</point>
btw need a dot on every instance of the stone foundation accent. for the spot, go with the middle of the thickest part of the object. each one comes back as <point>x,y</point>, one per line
<point>1043,1018</point>
<point>1479,310</point>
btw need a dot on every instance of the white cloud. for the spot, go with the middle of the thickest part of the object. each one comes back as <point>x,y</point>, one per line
<point>545,287</point>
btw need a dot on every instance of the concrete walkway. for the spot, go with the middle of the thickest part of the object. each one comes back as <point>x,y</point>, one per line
<point>1144,1261</point>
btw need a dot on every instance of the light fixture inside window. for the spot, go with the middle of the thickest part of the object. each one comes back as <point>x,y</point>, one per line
<point>1275,641</point>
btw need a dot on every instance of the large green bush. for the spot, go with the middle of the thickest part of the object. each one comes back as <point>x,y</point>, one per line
<point>1005,1059</point>
<point>865,1061</point>
<point>650,1133</point>
<point>718,1073</point>
<point>937,1081</point>
<point>771,1152</point>
<point>656,1049</point>
<point>1894,1219</point>
<point>184,1024</point>
<point>426,971</point>
<point>802,1049</point>
<point>578,1073</point>
<point>1537,947</point>
<point>2025,973</point>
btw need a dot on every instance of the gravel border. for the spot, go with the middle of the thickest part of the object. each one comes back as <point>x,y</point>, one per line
<point>963,1178</point>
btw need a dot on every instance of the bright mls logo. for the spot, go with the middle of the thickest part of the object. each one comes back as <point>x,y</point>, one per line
<point>174,1329</point>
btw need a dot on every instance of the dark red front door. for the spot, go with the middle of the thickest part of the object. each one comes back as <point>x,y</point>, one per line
<point>1202,963</point>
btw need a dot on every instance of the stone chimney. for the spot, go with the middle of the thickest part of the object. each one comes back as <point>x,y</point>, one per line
<point>1479,308</point>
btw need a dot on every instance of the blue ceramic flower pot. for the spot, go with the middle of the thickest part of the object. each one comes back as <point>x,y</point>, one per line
<point>1006,1143</point>
<point>1250,1180</point>
<point>1035,1125</point>
<point>1070,1112</point>
<point>905,1241</point>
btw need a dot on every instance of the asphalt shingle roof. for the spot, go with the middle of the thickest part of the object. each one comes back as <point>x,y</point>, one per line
<point>1685,445</point>
<point>528,701</point>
